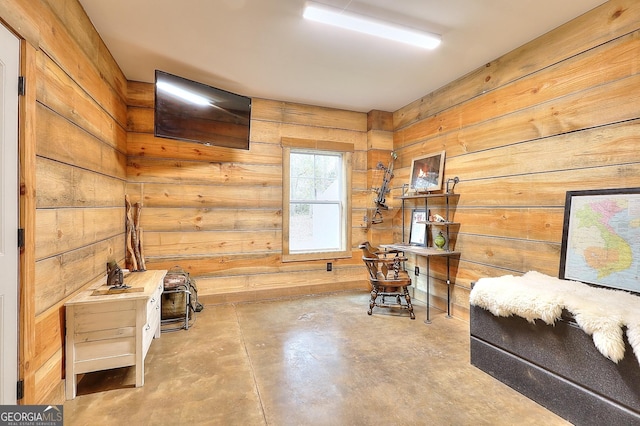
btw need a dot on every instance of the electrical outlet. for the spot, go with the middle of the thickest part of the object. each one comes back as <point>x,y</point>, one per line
<point>329,266</point>
<point>417,271</point>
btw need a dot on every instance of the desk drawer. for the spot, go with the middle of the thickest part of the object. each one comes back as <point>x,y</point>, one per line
<point>153,319</point>
<point>148,333</point>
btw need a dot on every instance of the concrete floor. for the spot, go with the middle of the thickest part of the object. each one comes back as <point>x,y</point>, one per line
<point>317,360</point>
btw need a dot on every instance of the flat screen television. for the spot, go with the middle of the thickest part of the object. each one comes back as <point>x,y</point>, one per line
<point>194,112</point>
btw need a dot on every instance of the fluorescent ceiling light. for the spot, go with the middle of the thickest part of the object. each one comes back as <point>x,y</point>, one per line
<point>364,24</point>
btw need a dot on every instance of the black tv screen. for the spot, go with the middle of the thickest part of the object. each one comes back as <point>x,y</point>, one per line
<point>194,112</point>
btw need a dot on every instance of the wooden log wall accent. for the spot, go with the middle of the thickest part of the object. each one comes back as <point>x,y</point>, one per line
<point>379,149</point>
<point>217,212</point>
<point>73,176</point>
<point>558,114</point>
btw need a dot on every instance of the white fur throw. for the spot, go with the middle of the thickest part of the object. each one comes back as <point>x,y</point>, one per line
<point>600,312</point>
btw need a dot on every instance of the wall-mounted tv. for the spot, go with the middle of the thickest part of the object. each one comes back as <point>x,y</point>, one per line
<point>194,112</point>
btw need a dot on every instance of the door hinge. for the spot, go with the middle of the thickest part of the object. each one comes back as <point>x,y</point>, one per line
<point>21,85</point>
<point>20,390</point>
<point>20,237</point>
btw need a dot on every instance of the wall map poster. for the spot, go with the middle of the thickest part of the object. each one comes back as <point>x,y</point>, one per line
<point>601,238</point>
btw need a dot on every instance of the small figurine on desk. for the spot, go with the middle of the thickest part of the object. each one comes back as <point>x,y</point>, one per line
<point>438,218</point>
<point>115,277</point>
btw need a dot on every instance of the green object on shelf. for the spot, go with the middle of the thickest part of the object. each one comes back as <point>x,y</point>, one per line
<point>439,240</point>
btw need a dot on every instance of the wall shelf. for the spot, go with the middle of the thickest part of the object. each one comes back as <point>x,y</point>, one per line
<point>431,251</point>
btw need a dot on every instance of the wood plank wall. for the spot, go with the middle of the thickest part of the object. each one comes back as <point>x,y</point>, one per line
<point>558,114</point>
<point>73,177</point>
<point>379,149</point>
<point>217,212</point>
<point>555,115</point>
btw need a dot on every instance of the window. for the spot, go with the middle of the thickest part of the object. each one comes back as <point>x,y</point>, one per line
<point>316,200</point>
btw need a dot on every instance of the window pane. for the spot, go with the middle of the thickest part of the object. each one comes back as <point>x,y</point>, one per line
<point>327,174</point>
<point>302,189</point>
<point>315,177</point>
<point>302,176</point>
<point>327,166</point>
<point>302,165</point>
<point>316,216</point>
<point>314,227</point>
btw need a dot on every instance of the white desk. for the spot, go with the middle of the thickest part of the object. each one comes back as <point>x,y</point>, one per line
<point>107,331</point>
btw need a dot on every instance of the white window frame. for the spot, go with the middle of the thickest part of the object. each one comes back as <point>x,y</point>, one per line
<point>290,145</point>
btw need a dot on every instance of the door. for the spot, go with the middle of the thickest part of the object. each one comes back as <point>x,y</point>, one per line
<point>9,68</point>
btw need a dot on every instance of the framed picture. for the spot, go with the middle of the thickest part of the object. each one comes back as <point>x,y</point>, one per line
<point>601,238</point>
<point>426,173</point>
<point>418,233</point>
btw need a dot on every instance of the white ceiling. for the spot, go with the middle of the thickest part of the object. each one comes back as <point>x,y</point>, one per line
<point>264,49</point>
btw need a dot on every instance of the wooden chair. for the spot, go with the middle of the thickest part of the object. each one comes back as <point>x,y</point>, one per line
<point>388,278</point>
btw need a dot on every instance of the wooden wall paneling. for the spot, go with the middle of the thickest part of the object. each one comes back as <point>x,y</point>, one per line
<point>48,383</point>
<point>359,169</point>
<point>61,230</point>
<point>19,15</point>
<point>61,185</point>
<point>359,218</point>
<point>146,145</point>
<point>312,278</point>
<point>235,264</point>
<point>212,265</point>
<point>380,139</point>
<point>50,329</point>
<point>245,175</point>
<point>140,120</point>
<point>101,78</point>
<point>361,198</point>
<point>28,349</point>
<point>545,189</point>
<point>202,196</point>
<point>382,235</point>
<point>359,235</point>
<point>54,134</point>
<point>536,224</point>
<point>269,132</point>
<point>213,210</point>
<point>380,120</point>
<point>215,242</point>
<point>140,94</point>
<point>55,179</point>
<point>359,179</point>
<point>307,115</point>
<point>605,23</point>
<point>82,31</point>
<point>512,254</point>
<point>74,113</point>
<point>59,92</point>
<point>563,152</point>
<point>554,125</point>
<point>61,275</point>
<point>551,92</point>
<point>191,219</point>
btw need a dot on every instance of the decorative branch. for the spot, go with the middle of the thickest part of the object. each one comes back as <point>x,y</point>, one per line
<point>136,240</point>
<point>130,261</point>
